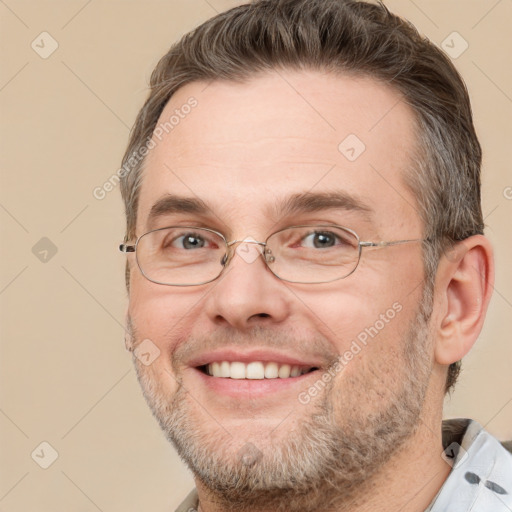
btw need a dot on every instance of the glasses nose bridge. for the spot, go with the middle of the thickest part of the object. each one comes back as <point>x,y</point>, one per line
<point>247,241</point>
<point>231,248</point>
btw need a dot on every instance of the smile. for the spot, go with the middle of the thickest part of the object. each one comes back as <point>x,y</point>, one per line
<point>254,370</point>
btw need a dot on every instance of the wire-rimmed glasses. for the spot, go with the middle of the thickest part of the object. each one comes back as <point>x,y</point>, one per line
<point>307,254</point>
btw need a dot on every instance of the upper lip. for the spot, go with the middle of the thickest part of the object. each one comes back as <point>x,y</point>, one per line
<point>248,356</point>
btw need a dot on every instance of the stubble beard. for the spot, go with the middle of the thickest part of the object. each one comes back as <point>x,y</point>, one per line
<point>334,450</point>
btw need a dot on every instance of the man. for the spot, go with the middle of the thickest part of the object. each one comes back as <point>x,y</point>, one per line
<point>307,266</point>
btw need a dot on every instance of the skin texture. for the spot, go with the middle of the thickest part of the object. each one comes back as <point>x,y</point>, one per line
<point>371,437</point>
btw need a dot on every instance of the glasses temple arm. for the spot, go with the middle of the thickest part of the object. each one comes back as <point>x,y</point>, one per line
<point>387,244</point>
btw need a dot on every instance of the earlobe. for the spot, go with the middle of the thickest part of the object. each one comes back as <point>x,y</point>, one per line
<point>464,285</point>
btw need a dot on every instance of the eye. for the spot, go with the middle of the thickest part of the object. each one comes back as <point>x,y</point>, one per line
<point>188,241</point>
<point>321,239</point>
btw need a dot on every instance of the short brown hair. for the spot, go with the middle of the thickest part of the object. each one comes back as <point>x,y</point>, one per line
<point>338,36</point>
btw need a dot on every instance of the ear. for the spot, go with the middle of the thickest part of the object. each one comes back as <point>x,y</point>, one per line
<point>464,285</point>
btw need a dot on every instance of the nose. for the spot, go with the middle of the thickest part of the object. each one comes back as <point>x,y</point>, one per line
<point>247,294</point>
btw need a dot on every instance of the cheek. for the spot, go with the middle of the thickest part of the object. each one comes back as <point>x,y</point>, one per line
<point>365,314</point>
<point>161,314</point>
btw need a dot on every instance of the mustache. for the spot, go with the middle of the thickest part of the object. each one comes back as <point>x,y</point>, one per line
<point>310,346</point>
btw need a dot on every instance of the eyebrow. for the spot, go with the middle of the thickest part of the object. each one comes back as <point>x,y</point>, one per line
<point>306,202</point>
<point>176,204</point>
<point>310,202</point>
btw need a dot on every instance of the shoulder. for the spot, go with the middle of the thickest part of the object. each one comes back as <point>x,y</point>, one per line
<point>507,445</point>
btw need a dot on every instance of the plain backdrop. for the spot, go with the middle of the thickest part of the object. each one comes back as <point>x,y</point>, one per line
<point>66,379</point>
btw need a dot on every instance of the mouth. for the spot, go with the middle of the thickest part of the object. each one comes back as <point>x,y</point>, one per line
<point>254,370</point>
<point>269,375</point>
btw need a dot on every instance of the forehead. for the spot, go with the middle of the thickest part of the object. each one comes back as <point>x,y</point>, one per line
<point>243,148</point>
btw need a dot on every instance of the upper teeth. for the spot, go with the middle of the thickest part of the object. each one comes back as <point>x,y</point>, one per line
<point>254,370</point>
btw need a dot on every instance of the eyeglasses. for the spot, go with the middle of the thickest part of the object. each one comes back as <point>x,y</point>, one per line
<point>191,256</point>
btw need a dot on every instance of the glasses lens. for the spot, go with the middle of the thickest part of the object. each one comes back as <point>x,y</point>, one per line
<point>312,254</point>
<point>181,255</point>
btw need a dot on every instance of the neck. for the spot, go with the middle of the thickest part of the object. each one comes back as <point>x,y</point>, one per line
<point>408,482</point>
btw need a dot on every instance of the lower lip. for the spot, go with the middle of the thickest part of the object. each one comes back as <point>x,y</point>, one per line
<point>254,388</point>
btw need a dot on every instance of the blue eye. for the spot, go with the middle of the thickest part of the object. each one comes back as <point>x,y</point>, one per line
<point>183,240</point>
<point>189,241</point>
<point>320,240</point>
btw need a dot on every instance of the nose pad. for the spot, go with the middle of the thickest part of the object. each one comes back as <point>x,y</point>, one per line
<point>269,257</point>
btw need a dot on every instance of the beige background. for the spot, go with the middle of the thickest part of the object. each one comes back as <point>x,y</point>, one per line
<point>65,376</point>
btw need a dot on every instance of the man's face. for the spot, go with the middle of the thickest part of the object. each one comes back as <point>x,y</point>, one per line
<point>244,150</point>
